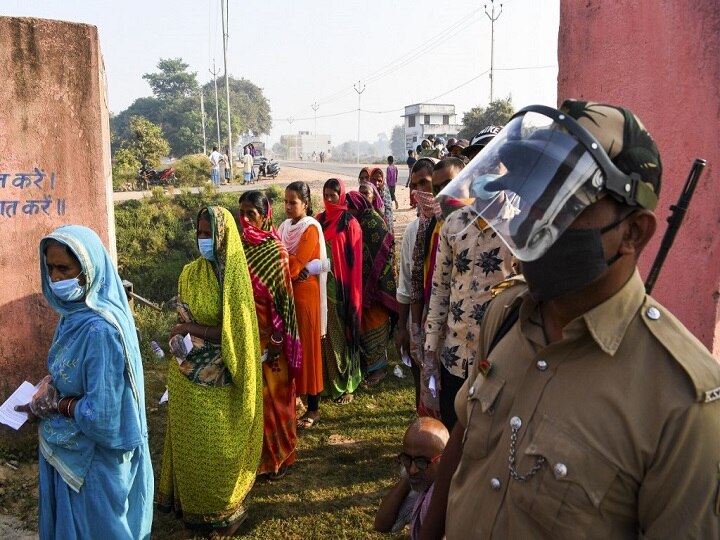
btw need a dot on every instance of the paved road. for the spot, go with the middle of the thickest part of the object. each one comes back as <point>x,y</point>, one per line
<point>346,170</point>
<point>325,170</point>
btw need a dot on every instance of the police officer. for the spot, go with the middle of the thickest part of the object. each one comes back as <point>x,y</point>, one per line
<point>590,411</point>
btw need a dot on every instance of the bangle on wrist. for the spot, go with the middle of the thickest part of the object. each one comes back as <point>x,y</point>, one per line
<point>276,342</point>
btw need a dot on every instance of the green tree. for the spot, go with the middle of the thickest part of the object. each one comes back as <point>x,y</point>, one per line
<point>397,143</point>
<point>497,113</point>
<point>173,81</point>
<point>148,144</point>
<point>175,106</point>
<point>249,108</point>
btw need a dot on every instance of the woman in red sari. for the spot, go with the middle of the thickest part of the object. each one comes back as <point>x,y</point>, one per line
<point>341,347</point>
<point>269,266</point>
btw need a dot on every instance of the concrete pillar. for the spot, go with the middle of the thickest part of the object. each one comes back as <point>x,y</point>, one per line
<point>661,59</point>
<point>54,170</point>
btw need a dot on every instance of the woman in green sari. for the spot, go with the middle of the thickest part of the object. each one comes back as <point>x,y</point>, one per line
<point>215,416</point>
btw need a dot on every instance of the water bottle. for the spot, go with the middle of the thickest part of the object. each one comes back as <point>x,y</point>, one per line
<point>157,349</point>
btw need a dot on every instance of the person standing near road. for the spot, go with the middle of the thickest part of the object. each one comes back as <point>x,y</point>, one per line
<point>247,167</point>
<point>215,159</point>
<point>392,176</point>
<point>225,168</point>
<point>592,412</point>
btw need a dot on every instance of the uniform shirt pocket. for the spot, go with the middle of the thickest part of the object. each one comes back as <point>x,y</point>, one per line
<point>565,496</point>
<point>481,404</point>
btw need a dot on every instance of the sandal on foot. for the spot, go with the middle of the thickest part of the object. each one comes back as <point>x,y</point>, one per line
<point>282,471</point>
<point>344,399</point>
<point>375,378</point>
<point>306,422</point>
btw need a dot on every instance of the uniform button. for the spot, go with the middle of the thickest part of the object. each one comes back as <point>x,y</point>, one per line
<point>515,422</point>
<point>495,484</point>
<point>542,365</point>
<point>560,470</point>
<point>653,313</point>
<point>471,391</point>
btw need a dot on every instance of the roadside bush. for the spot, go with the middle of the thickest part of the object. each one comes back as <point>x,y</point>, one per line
<point>124,169</point>
<point>192,170</point>
<point>274,193</point>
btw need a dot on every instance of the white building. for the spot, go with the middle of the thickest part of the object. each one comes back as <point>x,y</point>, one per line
<point>302,145</point>
<point>424,119</point>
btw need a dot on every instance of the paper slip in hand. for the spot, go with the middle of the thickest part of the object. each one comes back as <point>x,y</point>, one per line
<point>187,340</point>
<point>406,360</point>
<point>21,396</point>
<point>264,356</point>
<point>164,397</point>
<point>431,386</point>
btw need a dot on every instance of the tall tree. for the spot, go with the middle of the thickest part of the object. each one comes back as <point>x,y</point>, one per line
<point>175,106</point>
<point>173,81</point>
<point>249,108</point>
<point>397,142</point>
<point>497,113</point>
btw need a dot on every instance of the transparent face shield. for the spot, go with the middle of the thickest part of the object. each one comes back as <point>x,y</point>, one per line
<point>529,183</point>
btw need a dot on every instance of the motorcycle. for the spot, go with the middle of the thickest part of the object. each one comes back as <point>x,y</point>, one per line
<point>269,168</point>
<point>148,177</point>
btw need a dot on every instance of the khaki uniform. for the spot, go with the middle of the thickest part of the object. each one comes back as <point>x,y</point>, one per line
<point>614,430</point>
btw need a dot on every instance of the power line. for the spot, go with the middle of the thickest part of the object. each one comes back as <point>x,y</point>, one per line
<point>399,109</point>
<point>412,55</point>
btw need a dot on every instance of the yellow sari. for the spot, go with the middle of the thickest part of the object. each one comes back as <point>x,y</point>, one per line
<point>215,433</point>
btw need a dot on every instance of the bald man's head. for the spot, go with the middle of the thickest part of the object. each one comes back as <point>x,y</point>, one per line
<point>426,439</point>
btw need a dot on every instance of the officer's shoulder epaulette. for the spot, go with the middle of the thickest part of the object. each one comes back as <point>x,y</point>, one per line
<point>511,282</point>
<point>685,348</point>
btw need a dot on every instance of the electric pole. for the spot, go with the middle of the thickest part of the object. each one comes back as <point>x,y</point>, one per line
<point>492,18</point>
<point>215,73</point>
<point>292,137</point>
<point>315,106</point>
<point>225,24</point>
<point>359,88</point>
<point>202,119</point>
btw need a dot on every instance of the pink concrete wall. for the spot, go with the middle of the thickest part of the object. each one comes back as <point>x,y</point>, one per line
<point>661,59</point>
<point>53,117</point>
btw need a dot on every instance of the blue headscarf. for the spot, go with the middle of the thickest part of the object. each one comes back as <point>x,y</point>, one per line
<point>99,327</point>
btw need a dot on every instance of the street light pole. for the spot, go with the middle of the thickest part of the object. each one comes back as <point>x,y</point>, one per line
<point>315,106</point>
<point>225,25</point>
<point>359,88</point>
<point>202,118</point>
<point>492,18</point>
<point>290,121</point>
<point>215,73</point>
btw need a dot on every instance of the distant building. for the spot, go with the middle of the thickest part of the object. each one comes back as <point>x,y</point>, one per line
<point>424,119</point>
<point>305,143</point>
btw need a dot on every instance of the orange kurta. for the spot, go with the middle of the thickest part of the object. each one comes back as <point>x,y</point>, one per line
<point>307,307</point>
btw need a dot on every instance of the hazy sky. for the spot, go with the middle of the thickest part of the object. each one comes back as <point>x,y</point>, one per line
<point>305,51</point>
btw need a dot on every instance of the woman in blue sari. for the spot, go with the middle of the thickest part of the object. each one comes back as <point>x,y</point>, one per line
<point>96,478</point>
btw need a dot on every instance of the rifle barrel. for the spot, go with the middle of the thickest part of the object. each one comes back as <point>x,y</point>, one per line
<point>675,219</point>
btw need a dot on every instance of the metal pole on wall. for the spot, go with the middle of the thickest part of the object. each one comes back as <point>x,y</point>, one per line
<point>359,88</point>
<point>492,18</point>
<point>225,24</point>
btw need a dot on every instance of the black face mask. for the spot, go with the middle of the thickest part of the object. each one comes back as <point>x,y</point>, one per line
<point>572,262</point>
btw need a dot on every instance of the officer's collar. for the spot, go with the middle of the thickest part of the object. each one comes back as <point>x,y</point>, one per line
<point>608,322</point>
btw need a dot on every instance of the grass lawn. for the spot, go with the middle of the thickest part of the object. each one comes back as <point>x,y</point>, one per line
<point>345,465</point>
